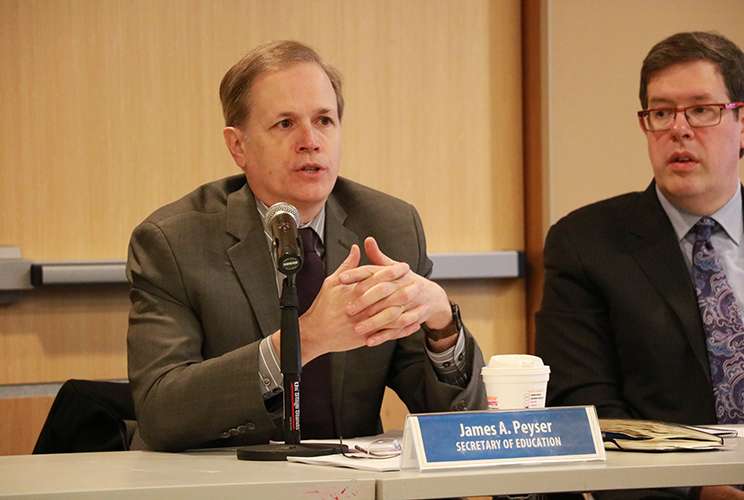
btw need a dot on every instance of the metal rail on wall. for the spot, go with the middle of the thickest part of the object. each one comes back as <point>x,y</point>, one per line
<point>18,275</point>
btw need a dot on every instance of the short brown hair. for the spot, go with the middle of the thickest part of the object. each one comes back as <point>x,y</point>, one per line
<point>235,89</point>
<point>694,46</point>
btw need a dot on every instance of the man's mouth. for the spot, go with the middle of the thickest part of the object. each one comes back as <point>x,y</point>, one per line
<point>312,168</point>
<point>682,158</point>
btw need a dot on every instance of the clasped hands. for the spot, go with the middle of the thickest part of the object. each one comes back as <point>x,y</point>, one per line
<point>371,304</point>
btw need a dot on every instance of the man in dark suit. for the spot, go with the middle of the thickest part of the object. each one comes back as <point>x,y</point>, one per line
<point>204,332</point>
<point>620,324</point>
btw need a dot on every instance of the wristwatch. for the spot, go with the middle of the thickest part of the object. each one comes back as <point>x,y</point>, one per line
<point>449,330</point>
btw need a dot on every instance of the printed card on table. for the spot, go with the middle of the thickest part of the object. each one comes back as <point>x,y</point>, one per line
<point>472,439</point>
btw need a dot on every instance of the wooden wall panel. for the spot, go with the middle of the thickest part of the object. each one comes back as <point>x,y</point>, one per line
<point>53,335</point>
<point>536,202</point>
<point>109,109</point>
<point>107,102</point>
<point>22,420</point>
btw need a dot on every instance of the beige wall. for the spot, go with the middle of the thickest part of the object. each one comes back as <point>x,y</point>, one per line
<point>109,109</point>
<point>595,146</point>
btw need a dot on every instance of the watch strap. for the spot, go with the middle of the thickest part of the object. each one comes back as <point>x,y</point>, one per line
<point>452,329</point>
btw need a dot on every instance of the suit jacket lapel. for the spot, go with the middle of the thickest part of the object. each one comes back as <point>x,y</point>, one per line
<point>653,243</point>
<point>251,259</point>
<point>338,238</point>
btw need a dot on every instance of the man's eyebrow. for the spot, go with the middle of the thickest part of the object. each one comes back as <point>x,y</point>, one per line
<point>292,114</point>
<point>667,102</point>
<point>659,102</point>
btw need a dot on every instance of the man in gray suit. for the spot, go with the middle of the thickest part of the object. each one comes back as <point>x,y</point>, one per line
<point>620,323</point>
<point>204,325</point>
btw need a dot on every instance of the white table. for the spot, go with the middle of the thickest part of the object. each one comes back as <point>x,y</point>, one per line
<point>218,474</point>
<point>623,470</point>
<point>178,476</point>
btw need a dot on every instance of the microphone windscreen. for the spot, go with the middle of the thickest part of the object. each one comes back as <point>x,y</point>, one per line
<point>282,207</point>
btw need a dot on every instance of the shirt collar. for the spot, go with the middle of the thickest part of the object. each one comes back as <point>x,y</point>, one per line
<point>729,217</point>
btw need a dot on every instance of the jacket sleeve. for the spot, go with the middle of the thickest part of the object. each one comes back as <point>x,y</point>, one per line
<point>183,400</point>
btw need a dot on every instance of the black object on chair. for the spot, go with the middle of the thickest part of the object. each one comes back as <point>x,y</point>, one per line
<point>88,415</point>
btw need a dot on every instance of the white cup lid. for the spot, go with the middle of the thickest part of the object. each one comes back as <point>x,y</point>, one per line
<point>515,361</point>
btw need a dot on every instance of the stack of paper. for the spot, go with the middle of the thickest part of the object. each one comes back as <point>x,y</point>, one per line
<point>649,435</point>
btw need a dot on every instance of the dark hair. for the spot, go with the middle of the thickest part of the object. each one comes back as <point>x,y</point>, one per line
<point>235,89</point>
<point>695,46</point>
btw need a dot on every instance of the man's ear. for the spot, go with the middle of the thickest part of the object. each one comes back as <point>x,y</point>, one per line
<point>234,142</point>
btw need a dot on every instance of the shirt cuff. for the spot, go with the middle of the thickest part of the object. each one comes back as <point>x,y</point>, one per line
<point>269,371</point>
<point>450,365</point>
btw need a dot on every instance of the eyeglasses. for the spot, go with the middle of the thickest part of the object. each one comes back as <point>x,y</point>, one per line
<point>377,449</point>
<point>698,116</point>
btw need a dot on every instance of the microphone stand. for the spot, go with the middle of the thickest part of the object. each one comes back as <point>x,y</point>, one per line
<point>291,365</point>
<point>291,360</point>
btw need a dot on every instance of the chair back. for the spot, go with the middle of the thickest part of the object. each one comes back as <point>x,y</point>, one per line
<point>89,415</point>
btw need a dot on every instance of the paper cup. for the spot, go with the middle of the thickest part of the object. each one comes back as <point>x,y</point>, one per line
<point>515,382</point>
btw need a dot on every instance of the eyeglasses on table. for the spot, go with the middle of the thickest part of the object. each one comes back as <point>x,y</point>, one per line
<point>378,449</point>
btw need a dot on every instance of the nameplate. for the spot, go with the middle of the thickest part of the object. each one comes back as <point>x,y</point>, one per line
<point>484,438</point>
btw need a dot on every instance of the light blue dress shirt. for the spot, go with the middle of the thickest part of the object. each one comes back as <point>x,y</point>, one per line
<point>726,239</point>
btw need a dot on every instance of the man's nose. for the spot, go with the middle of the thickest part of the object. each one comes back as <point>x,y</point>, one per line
<point>307,140</point>
<point>681,127</point>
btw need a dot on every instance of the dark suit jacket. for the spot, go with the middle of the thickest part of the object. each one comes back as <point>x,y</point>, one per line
<point>619,324</point>
<point>204,294</point>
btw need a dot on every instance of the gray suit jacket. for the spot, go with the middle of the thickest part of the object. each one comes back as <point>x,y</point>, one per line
<point>204,294</point>
<point>619,324</point>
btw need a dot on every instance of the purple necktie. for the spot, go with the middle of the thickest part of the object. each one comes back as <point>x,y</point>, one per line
<point>724,328</point>
<point>316,411</point>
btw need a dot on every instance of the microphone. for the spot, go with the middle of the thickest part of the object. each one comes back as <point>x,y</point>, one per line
<point>283,219</point>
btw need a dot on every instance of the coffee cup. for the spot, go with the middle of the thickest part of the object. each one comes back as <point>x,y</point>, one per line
<point>515,382</point>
